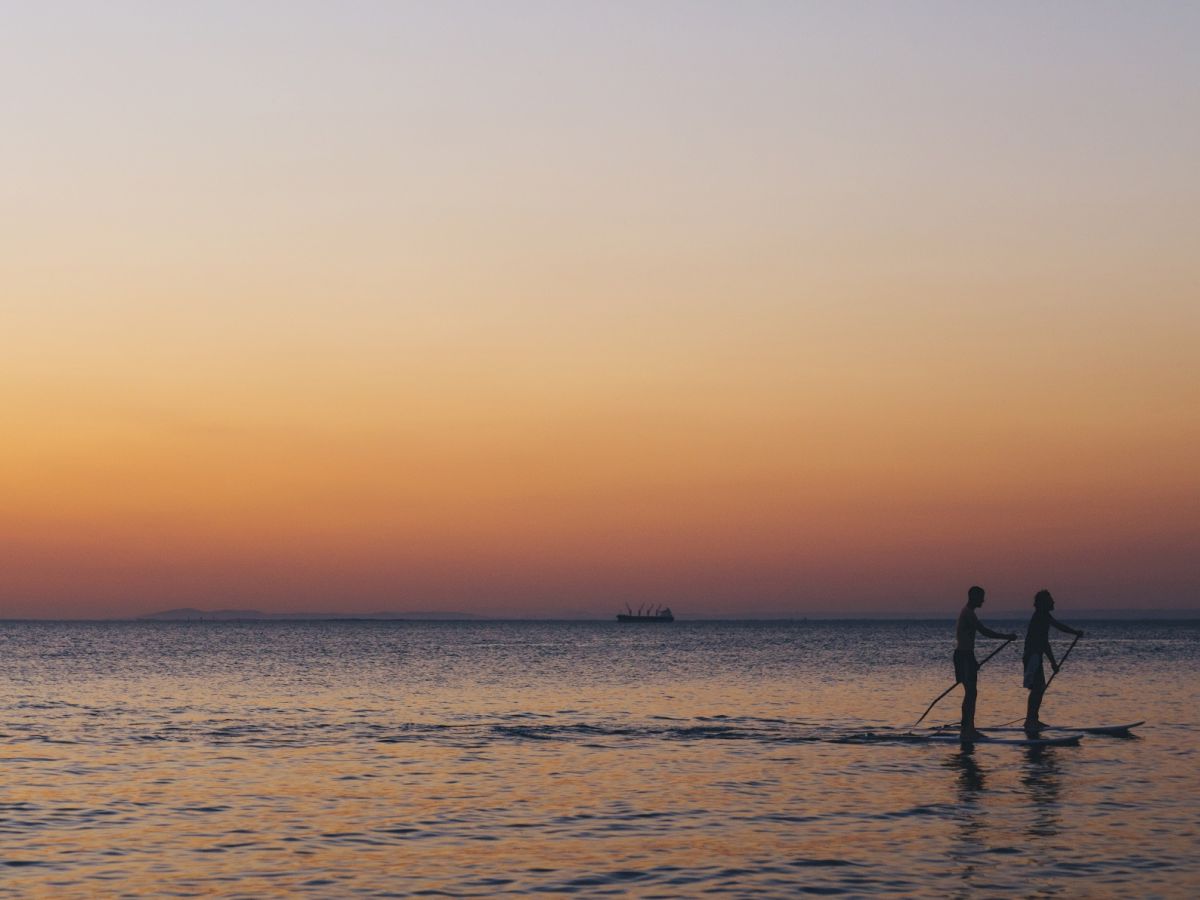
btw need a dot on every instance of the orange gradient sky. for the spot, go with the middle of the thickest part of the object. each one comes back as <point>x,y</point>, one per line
<point>539,308</point>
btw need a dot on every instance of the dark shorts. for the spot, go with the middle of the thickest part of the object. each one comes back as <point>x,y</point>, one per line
<point>966,668</point>
<point>1035,673</point>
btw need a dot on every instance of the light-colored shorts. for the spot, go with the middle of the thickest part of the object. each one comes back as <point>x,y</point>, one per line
<point>1035,674</point>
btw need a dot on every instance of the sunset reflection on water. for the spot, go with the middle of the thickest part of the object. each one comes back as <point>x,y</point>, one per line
<point>254,759</point>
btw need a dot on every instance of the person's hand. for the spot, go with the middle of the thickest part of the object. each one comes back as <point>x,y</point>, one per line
<point>1011,637</point>
<point>1054,666</point>
<point>1079,633</point>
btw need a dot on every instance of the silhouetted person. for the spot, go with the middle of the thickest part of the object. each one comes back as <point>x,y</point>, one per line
<point>966,666</point>
<point>1037,645</point>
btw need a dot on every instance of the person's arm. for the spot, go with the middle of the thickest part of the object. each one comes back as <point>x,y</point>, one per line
<point>1066,629</point>
<point>998,635</point>
<point>1050,656</point>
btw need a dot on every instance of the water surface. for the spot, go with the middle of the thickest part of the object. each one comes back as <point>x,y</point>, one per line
<point>401,759</point>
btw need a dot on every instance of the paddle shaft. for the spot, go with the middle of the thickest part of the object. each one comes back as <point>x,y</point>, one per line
<point>957,683</point>
<point>1054,674</point>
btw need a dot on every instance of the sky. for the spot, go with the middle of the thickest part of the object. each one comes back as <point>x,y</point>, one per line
<point>538,308</point>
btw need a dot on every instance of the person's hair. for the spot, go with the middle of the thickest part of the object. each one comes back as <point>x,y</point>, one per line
<point>975,593</point>
<point>1042,599</point>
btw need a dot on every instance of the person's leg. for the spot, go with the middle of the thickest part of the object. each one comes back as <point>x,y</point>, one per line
<point>1034,707</point>
<point>971,693</point>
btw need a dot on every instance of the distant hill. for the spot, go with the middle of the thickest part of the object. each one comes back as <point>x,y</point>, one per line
<point>190,614</point>
<point>187,613</point>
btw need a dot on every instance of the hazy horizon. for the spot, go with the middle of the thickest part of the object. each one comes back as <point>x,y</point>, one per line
<point>418,615</point>
<point>505,308</point>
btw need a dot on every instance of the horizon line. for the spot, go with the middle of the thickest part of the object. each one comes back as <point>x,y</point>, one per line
<point>1125,614</point>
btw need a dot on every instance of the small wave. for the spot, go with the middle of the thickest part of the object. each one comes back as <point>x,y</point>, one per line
<point>821,863</point>
<point>313,731</point>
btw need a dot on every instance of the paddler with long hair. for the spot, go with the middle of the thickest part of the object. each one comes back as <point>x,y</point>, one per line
<point>1037,645</point>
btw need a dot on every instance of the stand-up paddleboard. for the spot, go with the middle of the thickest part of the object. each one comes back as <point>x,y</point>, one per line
<point>1101,729</point>
<point>1068,740</point>
<point>1110,730</point>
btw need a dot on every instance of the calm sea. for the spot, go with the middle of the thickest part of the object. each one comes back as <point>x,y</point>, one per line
<point>466,759</point>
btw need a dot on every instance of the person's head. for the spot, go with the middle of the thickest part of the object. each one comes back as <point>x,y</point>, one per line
<point>1043,600</point>
<point>975,597</point>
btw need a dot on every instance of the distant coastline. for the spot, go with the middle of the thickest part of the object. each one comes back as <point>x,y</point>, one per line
<point>193,614</point>
<point>190,614</point>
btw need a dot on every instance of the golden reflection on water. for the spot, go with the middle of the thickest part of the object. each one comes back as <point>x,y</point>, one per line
<point>554,769</point>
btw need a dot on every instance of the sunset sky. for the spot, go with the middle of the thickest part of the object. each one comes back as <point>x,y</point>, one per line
<point>542,308</point>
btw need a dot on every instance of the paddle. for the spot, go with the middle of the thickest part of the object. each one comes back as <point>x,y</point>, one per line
<point>957,683</point>
<point>1054,674</point>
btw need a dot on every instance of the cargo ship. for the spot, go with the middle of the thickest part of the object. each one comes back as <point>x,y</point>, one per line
<point>646,614</point>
